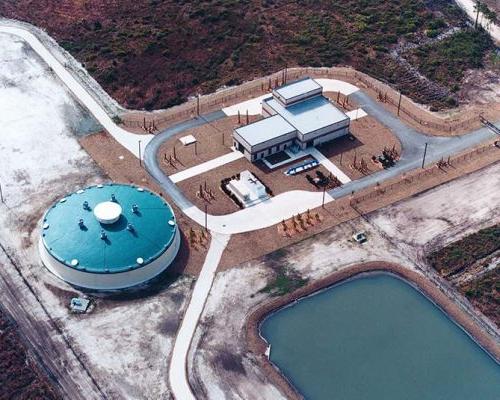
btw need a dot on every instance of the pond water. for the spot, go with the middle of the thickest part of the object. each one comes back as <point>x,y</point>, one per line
<point>378,338</point>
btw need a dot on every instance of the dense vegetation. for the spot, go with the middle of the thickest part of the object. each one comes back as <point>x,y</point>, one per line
<point>459,255</point>
<point>484,293</point>
<point>153,54</point>
<point>20,377</point>
<point>446,61</point>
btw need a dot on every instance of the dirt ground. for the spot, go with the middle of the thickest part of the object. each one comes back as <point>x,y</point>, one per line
<point>219,361</point>
<point>250,245</point>
<point>210,144</point>
<point>369,137</point>
<point>275,179</point>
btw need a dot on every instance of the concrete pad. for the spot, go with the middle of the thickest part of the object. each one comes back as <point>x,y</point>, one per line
<point>206,166</point>
<point>356,114</point>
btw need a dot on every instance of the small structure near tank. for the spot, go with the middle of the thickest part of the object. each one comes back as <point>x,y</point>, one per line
<point>79,305</point>
<point>248,189</point>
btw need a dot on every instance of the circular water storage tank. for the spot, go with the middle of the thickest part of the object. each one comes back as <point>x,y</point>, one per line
<point>109,237</point>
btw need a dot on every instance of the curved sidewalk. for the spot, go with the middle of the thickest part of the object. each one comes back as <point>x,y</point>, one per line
<point>127,139</point>
<point>279,207</point>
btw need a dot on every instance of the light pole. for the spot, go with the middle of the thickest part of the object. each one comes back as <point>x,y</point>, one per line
<point>140,161</point>
<point>425,153</point>
<point>206,217</point>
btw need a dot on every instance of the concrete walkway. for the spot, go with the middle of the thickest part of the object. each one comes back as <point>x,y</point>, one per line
<point>206,166</point>
<point>254,106</point>
<point>177,373</point>
<point>127,139</point>
<point>331,167</point>
<point>282,206</point>
<point>356,114</point>
<point>468,7</point>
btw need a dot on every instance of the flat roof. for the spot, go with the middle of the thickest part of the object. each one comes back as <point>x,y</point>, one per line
<point>265,129</point>
<point>152,234</point>
<point>309,115</point>
<point>297,88</point>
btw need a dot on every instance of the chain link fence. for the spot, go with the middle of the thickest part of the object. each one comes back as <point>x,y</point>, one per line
<point>260,86</point>
<point>421,175</point>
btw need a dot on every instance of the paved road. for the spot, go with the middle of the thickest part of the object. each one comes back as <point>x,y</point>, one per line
<point>279,207</point>
<point>283,206</point>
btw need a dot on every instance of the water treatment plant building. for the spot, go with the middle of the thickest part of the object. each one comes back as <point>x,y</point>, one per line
<point>296,115</point>
<point>109,236</point>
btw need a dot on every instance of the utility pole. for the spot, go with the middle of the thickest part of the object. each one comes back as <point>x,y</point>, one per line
<point>324,193</point>
<point>399,103</point>
<point>140,161</point>
<point>425,153</point>
<point>198,105</point>
<point>1,194</point>
<point>206,217</point>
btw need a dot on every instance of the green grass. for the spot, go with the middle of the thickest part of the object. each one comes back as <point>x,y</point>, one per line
<point>447,61</point>
<point>285,281</point>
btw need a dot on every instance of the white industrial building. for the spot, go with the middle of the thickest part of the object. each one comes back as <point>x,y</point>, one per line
<point>296,115</point>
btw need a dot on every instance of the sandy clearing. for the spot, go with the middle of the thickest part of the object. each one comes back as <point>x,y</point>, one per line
<point>126,341</point>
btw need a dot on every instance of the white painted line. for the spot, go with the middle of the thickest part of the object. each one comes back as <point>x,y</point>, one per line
<point>206,166</point>
<point>356,114</point>
<point>325,162</point>
<point>178,364</point>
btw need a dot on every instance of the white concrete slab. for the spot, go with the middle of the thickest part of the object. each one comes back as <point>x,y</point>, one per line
<point>356,114</point>
<point>253,106</point>
<point>325,162</point>
<point>206,166</point>
<point>334,85</point>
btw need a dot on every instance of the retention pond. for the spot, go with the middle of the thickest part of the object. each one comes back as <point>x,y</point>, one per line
<point>377,338</point>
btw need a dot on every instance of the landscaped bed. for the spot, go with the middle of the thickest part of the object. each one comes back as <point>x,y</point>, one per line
<point>274,179</point>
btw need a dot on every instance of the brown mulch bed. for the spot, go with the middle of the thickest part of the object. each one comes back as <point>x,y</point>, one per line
<point>246,246</point>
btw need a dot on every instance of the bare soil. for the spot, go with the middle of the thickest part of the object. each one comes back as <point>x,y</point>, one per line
<point>275,179</point>
<point>214,139</point>
<point>250,245</point>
